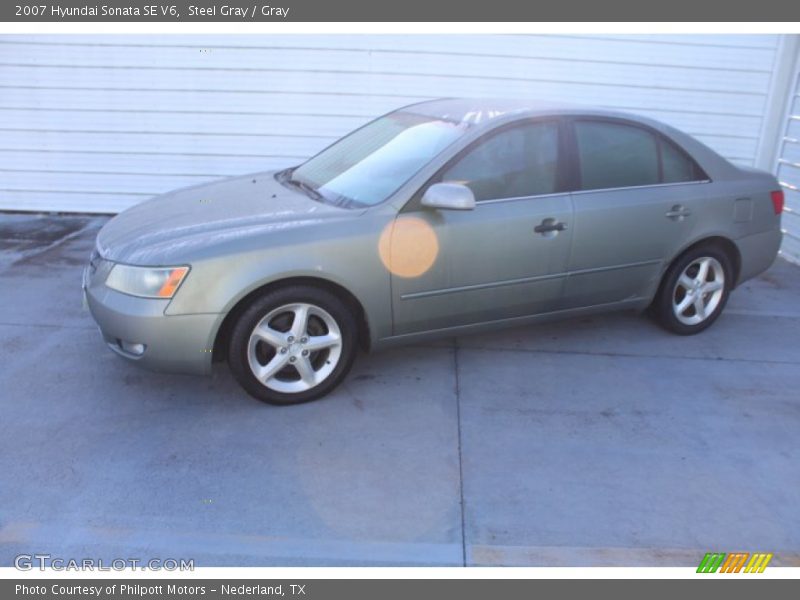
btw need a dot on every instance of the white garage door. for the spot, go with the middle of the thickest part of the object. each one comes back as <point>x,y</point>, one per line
<point>789,175</point>
<point>98,123</point>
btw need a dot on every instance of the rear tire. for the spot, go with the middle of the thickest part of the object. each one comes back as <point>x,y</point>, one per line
<point>694,290</point>
<point>293,345</point>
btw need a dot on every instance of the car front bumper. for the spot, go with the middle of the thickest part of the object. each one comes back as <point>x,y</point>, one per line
<point>173,343</point>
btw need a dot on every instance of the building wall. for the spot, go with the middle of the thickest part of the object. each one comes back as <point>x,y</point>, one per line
<point>788,170</point>
<point>98,123</point>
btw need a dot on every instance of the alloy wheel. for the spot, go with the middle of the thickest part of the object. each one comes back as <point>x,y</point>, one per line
<point>294,348</point>
<point>698,290</point>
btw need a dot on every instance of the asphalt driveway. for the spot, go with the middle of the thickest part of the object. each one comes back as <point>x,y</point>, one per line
<point>601,441</point>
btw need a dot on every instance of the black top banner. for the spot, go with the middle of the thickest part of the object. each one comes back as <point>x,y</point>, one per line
<point>405,11</point>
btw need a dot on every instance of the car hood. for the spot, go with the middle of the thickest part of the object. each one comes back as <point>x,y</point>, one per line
<point>177,226</point>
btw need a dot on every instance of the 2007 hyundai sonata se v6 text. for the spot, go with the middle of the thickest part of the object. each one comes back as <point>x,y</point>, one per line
<point>441,218</point>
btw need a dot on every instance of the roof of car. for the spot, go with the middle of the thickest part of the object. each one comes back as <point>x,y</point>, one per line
<point>482,110</point>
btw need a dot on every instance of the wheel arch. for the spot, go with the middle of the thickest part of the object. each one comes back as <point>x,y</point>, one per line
<point>724,243</point>
<point>239,305</point>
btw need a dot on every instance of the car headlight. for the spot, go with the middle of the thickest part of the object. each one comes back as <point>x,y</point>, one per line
<point>147,282</point>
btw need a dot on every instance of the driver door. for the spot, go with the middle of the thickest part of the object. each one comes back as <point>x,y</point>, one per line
<point>508,257</point>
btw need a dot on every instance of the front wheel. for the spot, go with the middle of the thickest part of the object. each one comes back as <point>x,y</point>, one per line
<point>694,291</point>
<point>293,345</point>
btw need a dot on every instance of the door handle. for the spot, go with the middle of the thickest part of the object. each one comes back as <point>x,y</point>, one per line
<point>678,213</point>
<point>550,225</point>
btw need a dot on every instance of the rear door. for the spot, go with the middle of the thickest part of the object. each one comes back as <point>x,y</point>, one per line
<point>636,200</point>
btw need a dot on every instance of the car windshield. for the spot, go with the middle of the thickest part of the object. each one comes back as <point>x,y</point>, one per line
<point>367,166</point>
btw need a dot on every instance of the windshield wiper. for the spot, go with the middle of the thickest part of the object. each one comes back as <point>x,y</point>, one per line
<point>309,190</point>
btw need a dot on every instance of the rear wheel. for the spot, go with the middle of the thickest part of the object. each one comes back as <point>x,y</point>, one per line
<point>694,291</point>
<point>293,345</point>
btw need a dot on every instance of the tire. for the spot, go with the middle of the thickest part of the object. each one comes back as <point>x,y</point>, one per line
<point>280,361</point>
<point>683,285</point>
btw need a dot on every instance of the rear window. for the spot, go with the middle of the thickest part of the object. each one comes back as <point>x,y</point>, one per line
<point>677,166</point>
<point>614,155</point>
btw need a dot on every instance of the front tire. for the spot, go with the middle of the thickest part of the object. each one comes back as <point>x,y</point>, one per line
<point>293,344</point>
<point>694,290</point>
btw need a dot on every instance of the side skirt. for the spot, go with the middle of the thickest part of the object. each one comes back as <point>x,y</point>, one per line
<point>639,303</point>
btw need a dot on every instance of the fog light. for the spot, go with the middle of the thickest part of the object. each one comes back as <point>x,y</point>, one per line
<point>132,348</point>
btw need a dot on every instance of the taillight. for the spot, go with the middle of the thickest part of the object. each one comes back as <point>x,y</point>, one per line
<point>777,201</point>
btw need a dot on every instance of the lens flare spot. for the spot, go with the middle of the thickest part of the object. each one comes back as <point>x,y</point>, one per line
<point>408,247</point>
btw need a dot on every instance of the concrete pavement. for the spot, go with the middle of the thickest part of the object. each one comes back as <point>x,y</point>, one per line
<point>598,441</point>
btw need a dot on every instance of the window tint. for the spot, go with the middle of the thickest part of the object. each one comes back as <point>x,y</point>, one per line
<point>517,162</point>
<point>615,155</point>
<point>677,166</point>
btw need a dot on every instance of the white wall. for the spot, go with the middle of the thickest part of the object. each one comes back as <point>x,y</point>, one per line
<point>789,172</point>
<point>97,123</point>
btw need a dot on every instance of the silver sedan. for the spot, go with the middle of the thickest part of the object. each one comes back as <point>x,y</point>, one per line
<point>441,218</point>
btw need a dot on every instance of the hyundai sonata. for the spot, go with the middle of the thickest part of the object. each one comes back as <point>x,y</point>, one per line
<point>441,218</point>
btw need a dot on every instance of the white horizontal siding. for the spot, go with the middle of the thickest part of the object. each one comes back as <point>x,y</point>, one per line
<point>789,174</point>
<point>97,123</point>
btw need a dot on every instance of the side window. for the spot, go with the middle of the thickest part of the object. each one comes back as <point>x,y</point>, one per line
<point>517,162</point>
<point>676,165</point>
<point>616,155</point>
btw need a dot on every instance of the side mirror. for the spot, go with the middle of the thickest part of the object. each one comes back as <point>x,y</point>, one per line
<point>449,196</point>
